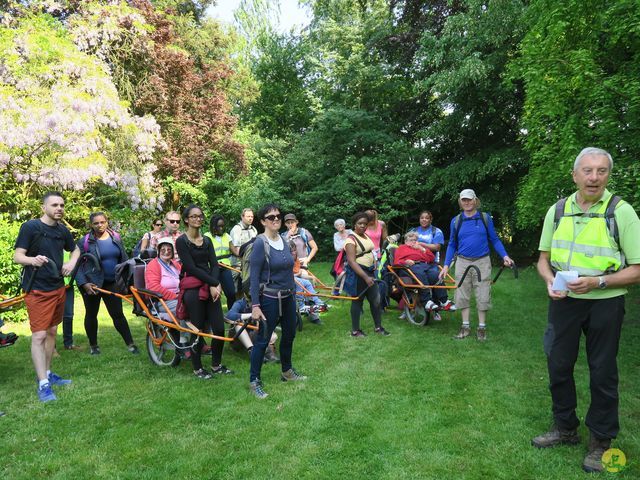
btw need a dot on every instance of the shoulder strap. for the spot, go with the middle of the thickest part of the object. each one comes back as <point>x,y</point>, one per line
<point>456,227</point>
<point>34,246</point>
<point>484,216</point>
<point>357,240</point>
<point>433,232</point>
<point>267,248</point>
<point>610,218</point>
<point>85,243</point>
<point>560,204</point>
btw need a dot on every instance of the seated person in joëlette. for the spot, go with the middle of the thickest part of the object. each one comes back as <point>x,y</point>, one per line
<point>421,261</point>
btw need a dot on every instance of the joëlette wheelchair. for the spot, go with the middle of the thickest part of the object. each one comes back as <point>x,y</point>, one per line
<point>163,328</point>
<point>410,287</point>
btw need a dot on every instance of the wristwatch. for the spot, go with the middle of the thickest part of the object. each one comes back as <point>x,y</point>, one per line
<point>602,283</point>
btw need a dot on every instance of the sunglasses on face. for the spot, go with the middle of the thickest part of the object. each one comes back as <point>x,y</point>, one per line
<point>173,221</point>
<point>157,224</point>
<point>273,218</point>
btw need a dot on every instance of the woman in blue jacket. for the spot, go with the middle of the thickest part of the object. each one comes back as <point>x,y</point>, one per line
<point>273,297</point>
<point>105,245</point>
<point>472,233</point>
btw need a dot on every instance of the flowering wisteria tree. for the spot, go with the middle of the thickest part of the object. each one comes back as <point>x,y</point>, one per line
<point>62,123</point>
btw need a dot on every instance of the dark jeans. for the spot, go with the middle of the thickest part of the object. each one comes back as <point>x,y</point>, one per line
<point>114,307</point>
<point>228,286</point>
<point>269,307</point>
<point>206,316</point>
<point>372,294</point>
<point>67,318</point>
<point>428,274</point>
<point>601,322</point>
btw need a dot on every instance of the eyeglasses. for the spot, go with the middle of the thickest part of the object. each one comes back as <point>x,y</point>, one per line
<point>196,217</point>
<point>157,224</point>
<point>273,218</point>
<point>173,221</point>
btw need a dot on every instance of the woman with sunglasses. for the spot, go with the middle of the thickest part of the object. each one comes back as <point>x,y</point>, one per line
<point>156,230</point>
<point>200,290</point>
<point>273,299</point>
<point>105,245</point>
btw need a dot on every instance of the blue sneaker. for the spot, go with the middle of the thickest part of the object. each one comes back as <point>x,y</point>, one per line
<point>55,379</point>
<point>45,393</point>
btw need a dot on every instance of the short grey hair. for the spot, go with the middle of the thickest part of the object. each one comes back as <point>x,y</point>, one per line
<point>592,151</point>
<point>410,235</point>
<point>339,221</point>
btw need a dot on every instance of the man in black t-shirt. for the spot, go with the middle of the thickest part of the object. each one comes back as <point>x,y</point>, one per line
<point>39,248</point>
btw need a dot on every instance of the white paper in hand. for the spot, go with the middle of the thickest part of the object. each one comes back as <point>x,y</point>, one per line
<point>562,278</point>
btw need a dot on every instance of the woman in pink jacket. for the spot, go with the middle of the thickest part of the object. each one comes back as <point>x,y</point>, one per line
<point>162,274</point>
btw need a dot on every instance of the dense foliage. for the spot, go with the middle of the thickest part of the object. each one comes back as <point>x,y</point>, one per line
<point>140,106</point>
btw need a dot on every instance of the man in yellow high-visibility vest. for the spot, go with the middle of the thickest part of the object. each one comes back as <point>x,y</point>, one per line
<point>578,236</point>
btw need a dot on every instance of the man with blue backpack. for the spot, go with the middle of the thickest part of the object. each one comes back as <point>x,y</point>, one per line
<point>472,234</point>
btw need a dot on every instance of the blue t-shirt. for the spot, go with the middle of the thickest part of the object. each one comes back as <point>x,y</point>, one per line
<point>430,234</point>
<point>473,238</point>
<point>109,256</point>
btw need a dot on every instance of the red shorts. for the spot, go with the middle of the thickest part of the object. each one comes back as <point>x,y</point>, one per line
<point>45,309</point>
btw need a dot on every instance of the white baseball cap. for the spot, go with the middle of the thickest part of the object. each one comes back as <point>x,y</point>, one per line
<point>468,194</point>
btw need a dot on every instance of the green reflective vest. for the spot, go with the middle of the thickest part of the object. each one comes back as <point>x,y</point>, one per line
<point>590,251</point>
<point>221,246</point>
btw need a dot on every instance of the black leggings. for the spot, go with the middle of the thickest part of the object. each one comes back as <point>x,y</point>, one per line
<point>373,296</point>
<point>205,315</point>
<point>114,307</point>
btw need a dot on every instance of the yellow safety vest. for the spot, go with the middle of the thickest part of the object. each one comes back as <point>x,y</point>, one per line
<point>591,252</point>
<point>221,247</point>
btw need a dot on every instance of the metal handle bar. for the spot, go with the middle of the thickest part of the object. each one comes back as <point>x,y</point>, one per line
<point>512,267</point>
<point>464,275</point>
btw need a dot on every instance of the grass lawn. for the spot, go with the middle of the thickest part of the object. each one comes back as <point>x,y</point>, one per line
<point>417,404</point>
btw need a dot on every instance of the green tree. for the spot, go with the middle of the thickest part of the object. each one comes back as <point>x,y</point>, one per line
<point>580,63</point>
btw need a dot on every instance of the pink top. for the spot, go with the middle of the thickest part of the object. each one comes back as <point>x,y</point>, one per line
<point>162,278</point>
<point>375,235</point>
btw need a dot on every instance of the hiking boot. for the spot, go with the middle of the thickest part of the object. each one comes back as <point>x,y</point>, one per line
<point>256,389</point>
<point>45,393</point>
<point>133,349</point>
<point>55,379</point>
<point>464,332</point>
<point>481,334</point>
<point>358,333</point>
<point>593,461</point>
<point>292,376</point>
<point>555,436</point>
<point>382,331</point>
<point>430,306</point>
<point>94,350</point>
<point>449,306</point>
